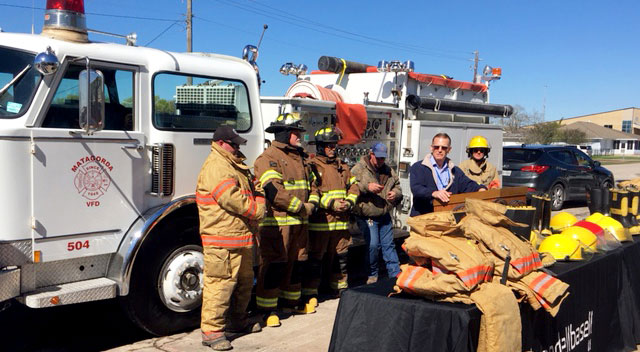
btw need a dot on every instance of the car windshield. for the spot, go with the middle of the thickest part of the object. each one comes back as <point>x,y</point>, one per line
<point>16,99</point>
<point>515,155</point>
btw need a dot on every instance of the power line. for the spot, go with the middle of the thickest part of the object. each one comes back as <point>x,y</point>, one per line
<point>307,20</point>
<point>227,26</point>
<point>163,32</point>
<point>97,14</point>
<point>294,20</point>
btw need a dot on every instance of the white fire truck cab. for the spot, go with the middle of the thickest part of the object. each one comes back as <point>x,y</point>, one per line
<point>101,145</point>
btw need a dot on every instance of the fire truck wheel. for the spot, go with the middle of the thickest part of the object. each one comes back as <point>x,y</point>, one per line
<point>165,291</point>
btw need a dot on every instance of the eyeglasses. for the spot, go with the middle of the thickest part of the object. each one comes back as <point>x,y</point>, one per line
<point>440,147</point>
<point>330,146</point>
<point>477,150</point>
<point>233,145</point>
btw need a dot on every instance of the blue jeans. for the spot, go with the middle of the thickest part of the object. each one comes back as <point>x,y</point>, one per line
<point>378,234</point>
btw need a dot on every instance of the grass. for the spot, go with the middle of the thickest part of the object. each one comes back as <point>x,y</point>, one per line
<point>616,159</point>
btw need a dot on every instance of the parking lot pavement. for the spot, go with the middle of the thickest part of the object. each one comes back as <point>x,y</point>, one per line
<point>309,333</point>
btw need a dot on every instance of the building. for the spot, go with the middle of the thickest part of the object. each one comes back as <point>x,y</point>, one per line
<point>606,140</point>
<point>624,120</point>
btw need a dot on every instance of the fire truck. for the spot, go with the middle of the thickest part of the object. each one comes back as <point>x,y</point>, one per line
<point>102,144</point>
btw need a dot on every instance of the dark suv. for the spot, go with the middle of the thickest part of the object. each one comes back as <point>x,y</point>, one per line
<point>562,171</point>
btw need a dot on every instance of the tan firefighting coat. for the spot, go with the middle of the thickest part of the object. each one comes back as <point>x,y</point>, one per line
<point>486,222</point>
<point>228,203</point>
<point>371,204</point>
<point>334,182</point>
<point>454,268</point>
<point>288,183</point>
<point>484,174</point>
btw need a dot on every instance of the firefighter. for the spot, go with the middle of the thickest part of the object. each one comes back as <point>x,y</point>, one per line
<point>291,196</point>
<point>328,226</point>
<point>477,167</point>
<point>229,207</point>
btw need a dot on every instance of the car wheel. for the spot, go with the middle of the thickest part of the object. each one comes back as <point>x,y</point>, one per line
<point>557,196</point>
<point>607,184</point>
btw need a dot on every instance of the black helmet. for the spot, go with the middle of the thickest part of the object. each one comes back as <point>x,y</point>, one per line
<point>286,122</point>
<point>326,135</point>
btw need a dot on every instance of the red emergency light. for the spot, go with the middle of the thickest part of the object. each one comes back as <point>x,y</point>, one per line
<point>67,5</point>
<point>64,19</point>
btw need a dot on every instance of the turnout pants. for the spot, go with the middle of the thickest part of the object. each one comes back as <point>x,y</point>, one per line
<point>283,253</point>
<point>332,246</point>
<point>228,279</point>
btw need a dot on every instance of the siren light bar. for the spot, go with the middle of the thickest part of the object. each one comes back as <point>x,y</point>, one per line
<point>67,5</point>
<point>64,19</point>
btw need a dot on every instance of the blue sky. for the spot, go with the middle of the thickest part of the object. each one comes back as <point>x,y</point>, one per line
<point>573,57</point>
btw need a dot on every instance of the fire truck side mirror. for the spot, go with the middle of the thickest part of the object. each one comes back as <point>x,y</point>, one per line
<point>46,62</point>
<point>91,100</point>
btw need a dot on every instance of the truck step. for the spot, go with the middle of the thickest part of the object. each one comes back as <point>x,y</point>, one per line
<point>75,292</point>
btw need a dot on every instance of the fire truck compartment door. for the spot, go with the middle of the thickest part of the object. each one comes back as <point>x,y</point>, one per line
<point>87,190</point>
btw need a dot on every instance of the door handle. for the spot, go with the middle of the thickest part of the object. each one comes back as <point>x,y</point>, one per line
<point>138,147</point>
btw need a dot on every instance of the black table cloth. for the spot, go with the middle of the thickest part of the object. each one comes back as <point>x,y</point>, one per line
<point>600,314</point>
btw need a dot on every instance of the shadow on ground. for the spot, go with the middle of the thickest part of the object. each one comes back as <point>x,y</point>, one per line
<point>94,326</point>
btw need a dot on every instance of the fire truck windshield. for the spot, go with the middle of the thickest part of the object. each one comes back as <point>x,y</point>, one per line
<point>18,82</point>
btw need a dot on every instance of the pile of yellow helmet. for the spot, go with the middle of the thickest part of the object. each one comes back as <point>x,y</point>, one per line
<point>572,239</point>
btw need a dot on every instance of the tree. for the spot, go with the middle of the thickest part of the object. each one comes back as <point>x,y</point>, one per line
<point>519,119</point>
<point>164,106</point>
<point>571,136</point>
<point>542,133</point>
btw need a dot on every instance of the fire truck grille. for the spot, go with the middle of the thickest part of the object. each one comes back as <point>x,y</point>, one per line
<point>162,169</point>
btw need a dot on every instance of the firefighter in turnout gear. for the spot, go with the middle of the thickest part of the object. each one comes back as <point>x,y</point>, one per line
<point>477,167</point>
<point>328,227</point>
<point>291,194</point>
<point>229,207</point>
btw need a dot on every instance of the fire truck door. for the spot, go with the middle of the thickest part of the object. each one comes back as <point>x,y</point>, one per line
<point>87,189</point>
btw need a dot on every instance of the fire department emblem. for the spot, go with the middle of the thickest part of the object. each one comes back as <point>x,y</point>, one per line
<point>92,179</point>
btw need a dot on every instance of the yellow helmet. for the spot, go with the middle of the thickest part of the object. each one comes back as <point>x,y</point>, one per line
<point>615,227</point>
<point>587,238</point>
<point>594,217</point>
<point>478,142</point>
<point>561,247</point>
<point>561,221</point>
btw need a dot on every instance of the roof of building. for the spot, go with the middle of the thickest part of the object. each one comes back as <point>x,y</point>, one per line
<point>594,131</point>
<point>597,113</point>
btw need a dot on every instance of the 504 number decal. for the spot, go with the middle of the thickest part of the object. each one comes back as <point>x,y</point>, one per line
<point>77,245</point>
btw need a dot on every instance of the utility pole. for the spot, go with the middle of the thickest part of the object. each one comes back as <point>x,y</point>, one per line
<point>544,103</point>
<point>475,67</point>
<point>189,38</point>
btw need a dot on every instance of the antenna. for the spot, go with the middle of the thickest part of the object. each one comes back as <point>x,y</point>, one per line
<point>264,29</point>
<point>33,15</point>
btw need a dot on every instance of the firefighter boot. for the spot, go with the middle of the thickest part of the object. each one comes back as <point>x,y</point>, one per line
<point>272,320</point>
<point>634,198</point>
<point>620,206</point>
<point>546,216</point>
<point>313,301</point>
<point>605,199</point>
<point>594,200</point>
<point>216,340</point>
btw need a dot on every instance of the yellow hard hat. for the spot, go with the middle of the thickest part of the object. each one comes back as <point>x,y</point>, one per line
<point>594,217</point>
<point>561,247</point>
<point>615,227</point>
<point>478,142</point>
<point>587,238</point>
<point>561,221</point>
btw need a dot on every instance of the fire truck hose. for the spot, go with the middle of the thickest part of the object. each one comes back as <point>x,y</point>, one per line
<point>336,65</point>
<point>415,102</point>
